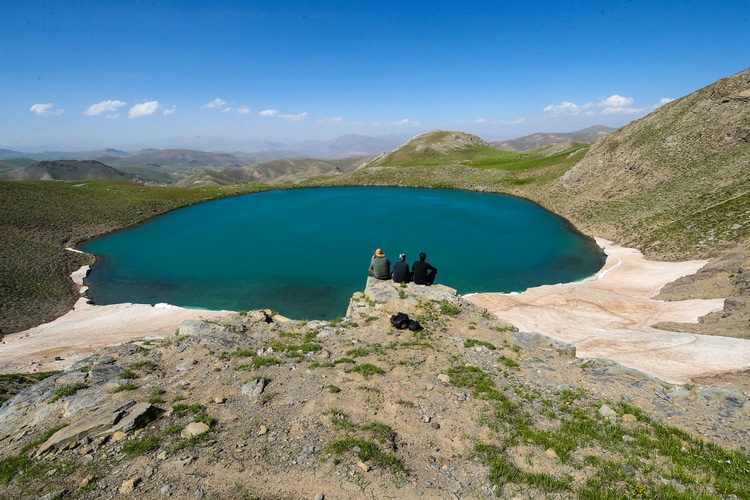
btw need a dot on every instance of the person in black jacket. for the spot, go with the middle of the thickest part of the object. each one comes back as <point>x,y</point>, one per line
<point>422,272</point>
<point>401,272</point>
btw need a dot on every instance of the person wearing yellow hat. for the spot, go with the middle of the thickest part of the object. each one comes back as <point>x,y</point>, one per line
<point>380,266</point>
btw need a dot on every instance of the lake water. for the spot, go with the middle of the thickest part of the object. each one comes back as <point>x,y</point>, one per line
<point>304,252</point>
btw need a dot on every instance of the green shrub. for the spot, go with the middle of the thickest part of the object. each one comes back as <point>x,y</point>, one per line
<point>366,370</point>
<point>468,343</point>
<point>138,447</point>
<point>449,309</point>
<point>367,450</point>
<point>129,386</point>
<point>67,390</point>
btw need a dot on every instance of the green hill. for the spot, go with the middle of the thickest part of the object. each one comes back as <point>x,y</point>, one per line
<point>8,164</point>
<point>440,147</point>
<point>69,170</point>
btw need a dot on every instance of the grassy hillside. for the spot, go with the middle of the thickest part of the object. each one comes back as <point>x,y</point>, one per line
<point>38,219</point>
<point>439,147</point>
<point>6,165</point>
<point>291,170</point>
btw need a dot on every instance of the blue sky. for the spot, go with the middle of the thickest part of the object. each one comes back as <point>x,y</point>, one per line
<point>125,74</point>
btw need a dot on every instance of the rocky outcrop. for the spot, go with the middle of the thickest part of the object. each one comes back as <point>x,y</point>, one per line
<point>256,405</point>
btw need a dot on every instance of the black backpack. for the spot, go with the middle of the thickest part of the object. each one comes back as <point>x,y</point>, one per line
<point>400,321</point>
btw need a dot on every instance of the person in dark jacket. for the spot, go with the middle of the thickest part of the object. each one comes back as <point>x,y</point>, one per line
<point>380,267</point>
<point>422,272</point>
<point>401,272</point>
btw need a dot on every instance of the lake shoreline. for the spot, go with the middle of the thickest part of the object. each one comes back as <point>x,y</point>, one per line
<point>584,313</point>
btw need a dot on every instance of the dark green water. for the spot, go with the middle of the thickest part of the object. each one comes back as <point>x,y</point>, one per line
<point>304,252</point>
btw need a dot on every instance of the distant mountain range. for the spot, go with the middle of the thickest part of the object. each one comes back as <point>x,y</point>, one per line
<point>345,146</point>
<point>539,140</point>
<point>192,167</point>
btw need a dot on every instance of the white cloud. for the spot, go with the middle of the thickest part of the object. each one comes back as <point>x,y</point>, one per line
<point>484,121</point>
<point>405,121</point>
<point>169,111</point>
<point>616,101</point>
<point>46,109</point>
<point>568,108</point>
<point>227,110</point>
<point>663,101</point>
<point>294,118</point>
<point>612,105</point>
<point>332,120</point>
<point>104,107</point>
<point>289,118</point>
<point>243,110</point>
<point>216,103</point>
<point>617,105</point>
<point>144,109</point>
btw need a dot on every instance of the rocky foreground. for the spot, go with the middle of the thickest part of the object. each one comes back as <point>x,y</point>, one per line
<point>258,406</point>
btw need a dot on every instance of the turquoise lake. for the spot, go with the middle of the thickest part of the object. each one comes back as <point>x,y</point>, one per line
<point>304,252</point>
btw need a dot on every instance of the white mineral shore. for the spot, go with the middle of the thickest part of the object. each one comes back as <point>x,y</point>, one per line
<point>60,343</point>
<point>610,316</point>
<point>607,316</point>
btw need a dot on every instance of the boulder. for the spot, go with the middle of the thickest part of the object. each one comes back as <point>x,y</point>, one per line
<point>122,417</point>
<point>194,327</point>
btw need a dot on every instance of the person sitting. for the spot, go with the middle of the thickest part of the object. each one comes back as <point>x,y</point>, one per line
<point>422,272</point>
<point>380,267</point>
<point>401,272</point>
